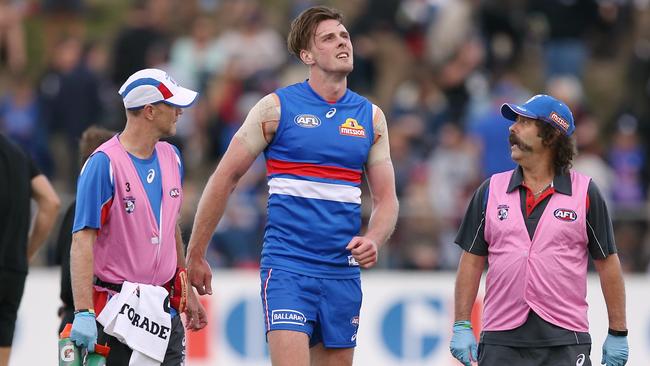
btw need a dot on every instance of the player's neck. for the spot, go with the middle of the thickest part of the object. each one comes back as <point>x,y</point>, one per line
<point>137,141</point>
<point>539,173</point>
<point>329,87</point>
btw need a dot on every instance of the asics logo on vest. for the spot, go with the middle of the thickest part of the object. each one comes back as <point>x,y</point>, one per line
<point>352,128</point>
<point>581,359</point>
<point>565,214</point>
<point>330,113</point>
<point>307,120</point>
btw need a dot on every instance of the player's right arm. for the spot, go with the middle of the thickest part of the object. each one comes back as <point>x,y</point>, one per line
<point>475,249</point>
<point>468,278</point>
<point>94,198</point>
<point>251,139</point>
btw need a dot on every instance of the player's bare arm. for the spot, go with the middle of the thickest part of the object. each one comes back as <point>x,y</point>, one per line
<point>81,267</point>
<point>468,280</point>
<point>48,204</point>
<point>381,181</point>
<point>611,282</point>
<point>249,141</point>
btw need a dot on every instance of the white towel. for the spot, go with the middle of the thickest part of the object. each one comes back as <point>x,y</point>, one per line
<point>136,317</point>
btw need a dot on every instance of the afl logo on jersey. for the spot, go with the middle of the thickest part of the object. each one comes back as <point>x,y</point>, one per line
<point>565,214</point>
<point>352,128</point>
<point>307,120</point>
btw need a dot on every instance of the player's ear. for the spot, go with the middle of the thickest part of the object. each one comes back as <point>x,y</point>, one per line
<point>148,111</point>
<point>306,57</point>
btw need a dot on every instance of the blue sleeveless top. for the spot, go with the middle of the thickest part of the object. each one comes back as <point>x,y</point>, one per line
<point>314,166</point>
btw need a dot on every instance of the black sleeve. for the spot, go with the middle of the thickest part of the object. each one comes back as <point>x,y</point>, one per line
<point>470,235</point>
<point>599,225</point>
<point>63,244</point>
<point>33,168</point>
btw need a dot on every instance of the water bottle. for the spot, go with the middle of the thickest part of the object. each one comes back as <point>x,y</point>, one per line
<point>97,358</point>
<point>68,352</point>
<point>70,355</point>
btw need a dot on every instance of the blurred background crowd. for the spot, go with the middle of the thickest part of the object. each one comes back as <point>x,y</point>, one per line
<point>440,69</point>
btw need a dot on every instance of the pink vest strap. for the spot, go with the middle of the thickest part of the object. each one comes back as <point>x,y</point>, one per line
<point>547,274</point>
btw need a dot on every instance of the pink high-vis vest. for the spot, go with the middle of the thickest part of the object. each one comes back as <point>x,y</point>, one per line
<point>130,246</point>
<point>547,274</point>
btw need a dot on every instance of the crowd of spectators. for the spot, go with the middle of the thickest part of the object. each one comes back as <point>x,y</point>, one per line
<point>440,69</point>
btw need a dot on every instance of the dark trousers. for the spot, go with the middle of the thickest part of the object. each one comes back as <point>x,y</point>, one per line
<point>120,353</point>
<point>569,355</point>
<point>12,285</point>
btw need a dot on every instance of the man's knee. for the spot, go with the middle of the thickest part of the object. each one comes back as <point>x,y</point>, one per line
<point>288,348</point>
<point>321,356</point>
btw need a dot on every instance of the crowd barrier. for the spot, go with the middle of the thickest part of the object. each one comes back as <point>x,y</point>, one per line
<point>406,319</point>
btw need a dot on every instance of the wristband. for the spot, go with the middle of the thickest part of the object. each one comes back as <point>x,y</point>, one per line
<point>617,333</point>
<point>92,311</point>
<point>463,323</point>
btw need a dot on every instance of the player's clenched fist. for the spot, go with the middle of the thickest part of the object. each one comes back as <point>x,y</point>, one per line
<point>364,251</point>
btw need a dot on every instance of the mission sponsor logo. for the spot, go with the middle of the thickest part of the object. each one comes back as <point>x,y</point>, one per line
<point>288,316</point>
<point>307,120</point>
<point>565,214</point>
<point>352,128</point>
<point>174,193</point>
<point>559,121</point>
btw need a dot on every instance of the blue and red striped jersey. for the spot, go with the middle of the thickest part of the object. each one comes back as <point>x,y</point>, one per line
<point>314,167</point>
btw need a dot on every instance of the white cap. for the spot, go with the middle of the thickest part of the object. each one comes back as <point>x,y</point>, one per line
<point>150,86</point>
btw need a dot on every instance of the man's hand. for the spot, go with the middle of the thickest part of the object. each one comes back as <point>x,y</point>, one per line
<point>200,274</point>
<point>364,251</point>
<point>615,351</point>
<point>84,330</point>
<point>195,313</point>
<point>463,343</point>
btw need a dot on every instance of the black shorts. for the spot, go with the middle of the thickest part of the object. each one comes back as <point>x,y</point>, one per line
<point>495,355</point>
<point>12,285</point>
<point>120,353</point>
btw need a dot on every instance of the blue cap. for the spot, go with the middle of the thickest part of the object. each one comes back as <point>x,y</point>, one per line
<point>543,107</point>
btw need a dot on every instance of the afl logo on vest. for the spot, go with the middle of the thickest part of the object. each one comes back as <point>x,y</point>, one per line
<point>307,120</point>
<point>565,214</point>
<point>174,193</point>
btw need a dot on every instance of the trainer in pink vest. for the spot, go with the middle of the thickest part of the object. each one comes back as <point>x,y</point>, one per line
<point>130,246</point>
<point>547,274</point>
